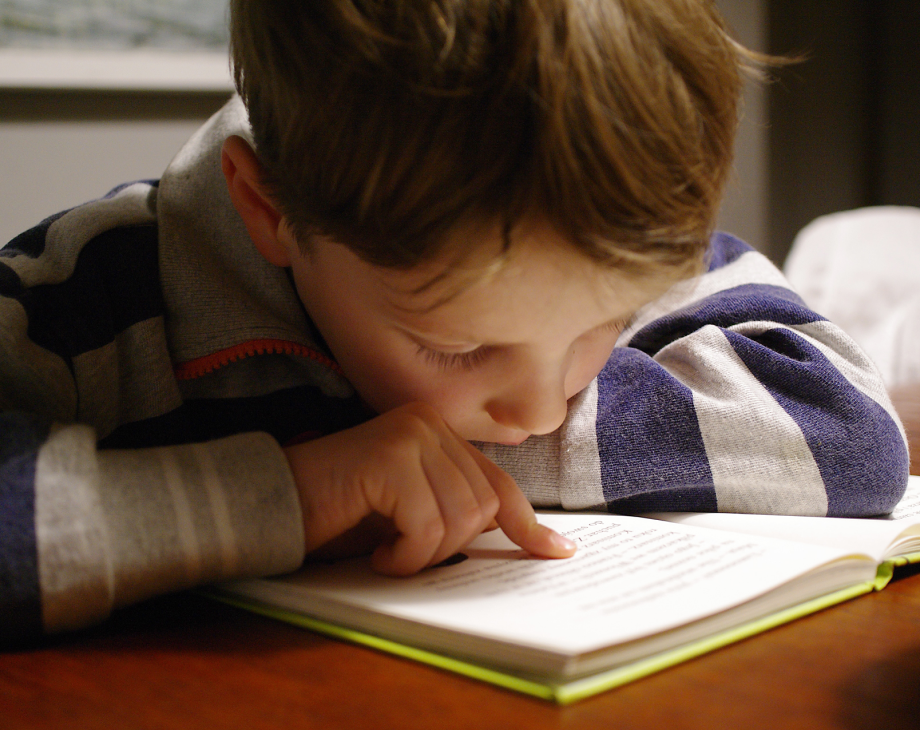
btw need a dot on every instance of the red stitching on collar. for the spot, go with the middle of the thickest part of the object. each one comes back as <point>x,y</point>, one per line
<point>209,363</point>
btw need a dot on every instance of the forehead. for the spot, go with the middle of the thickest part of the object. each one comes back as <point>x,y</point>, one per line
<point>540,281</point>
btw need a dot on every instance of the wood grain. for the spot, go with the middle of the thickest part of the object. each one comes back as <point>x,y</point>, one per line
<point>185,662</point>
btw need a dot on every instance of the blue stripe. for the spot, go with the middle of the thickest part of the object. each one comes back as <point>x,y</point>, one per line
<point>725,249</point>
<point>745,303</point>
<point>118,188</point>
<point>20,596</point>
<point>285,414</point>
<point>31,242</point>
<point>651,449</point>
<point>10,283</point>
<point>856,444</point>
<point>115,284</point>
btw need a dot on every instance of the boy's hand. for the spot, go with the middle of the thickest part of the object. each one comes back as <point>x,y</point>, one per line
<point>433,487</point>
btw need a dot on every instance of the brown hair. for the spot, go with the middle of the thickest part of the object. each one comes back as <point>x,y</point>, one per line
<point>389,124</point>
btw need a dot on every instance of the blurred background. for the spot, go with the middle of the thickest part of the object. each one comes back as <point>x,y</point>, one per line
<point>97,92</point>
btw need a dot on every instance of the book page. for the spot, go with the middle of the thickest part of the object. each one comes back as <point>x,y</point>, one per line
<point>630,578</point>
<point>881,537</point>
<point>909,506</point>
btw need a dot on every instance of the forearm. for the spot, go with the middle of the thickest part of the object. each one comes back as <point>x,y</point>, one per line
<point>113,527</point>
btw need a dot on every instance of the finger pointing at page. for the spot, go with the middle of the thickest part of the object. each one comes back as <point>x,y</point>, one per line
<point>516,516</point>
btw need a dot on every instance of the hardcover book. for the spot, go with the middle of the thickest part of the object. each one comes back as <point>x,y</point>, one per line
<point>641,594</point>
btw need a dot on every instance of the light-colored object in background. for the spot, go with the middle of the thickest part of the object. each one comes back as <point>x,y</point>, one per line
<point>861,270</point>
<point>135,70</point>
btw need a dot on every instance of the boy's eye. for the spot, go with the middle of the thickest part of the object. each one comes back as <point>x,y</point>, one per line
<point>454,360</point>
<point>616,326</point>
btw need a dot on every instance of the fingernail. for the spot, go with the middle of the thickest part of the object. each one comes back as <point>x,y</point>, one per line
<point>563,542</point>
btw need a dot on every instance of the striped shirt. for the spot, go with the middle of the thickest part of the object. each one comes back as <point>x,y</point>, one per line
<point>152,363</point>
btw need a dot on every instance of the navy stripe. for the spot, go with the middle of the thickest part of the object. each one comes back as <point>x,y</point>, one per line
<point>841,425</point>
<point>667,499</point>
<point>651,449</point>
<point>31,242</point>
<point>725,249</point>
<point>745,303</point>
<point>10,283</point>
<point>118,188</point>
<point>115,284</point>
<point>285,414</point>
<point>20,595</point>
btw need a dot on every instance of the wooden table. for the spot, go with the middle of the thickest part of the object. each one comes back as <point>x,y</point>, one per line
<point>185,662</point>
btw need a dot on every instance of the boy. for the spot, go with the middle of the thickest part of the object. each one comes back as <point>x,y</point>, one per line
<point>448,222</point>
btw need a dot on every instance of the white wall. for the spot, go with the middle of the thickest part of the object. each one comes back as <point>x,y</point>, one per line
<point>745,209</point>
<point>53,166</point>
<point>54,154</point>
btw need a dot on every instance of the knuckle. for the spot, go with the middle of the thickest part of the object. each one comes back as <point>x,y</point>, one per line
<point>490,505</point>
<point>432,531</point>
<point>420,410</point>
<point>473,519</point>
<point>503,481</point>
<point>411,423</point>
<point>419,417</point>
<point>468,520</point>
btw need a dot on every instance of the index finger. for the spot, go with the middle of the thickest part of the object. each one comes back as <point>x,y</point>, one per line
<point>516,516</point>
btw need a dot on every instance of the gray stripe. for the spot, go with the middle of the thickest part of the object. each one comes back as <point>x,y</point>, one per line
<point>581,486</point>
<point>845,355</point>
<point>200,513</point>
<point>220,511</point>
<point>766,467</point>
<point>534,465</point>
<point>31,378</point>
<point>74,560</point>
<point>71,232</point>
<point>116,527</point>
<point>127,380</point>
<point>560,469</point>
<point>185,525</point>
<point>749,268</point>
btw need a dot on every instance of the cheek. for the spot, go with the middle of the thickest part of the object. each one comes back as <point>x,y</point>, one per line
<point>589,362</point>
<point>387,377</point>
<point>457,397</point>
<point>383,382</point>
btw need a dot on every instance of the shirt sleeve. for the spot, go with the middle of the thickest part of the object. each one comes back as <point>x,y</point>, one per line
<point>726,394</point>
<point>84,530</point>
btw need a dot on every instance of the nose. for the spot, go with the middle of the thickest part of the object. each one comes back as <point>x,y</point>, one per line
<point>535,405</point>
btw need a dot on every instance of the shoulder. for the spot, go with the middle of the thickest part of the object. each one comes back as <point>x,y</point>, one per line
<point>105,248</point>
<point>51,248</point>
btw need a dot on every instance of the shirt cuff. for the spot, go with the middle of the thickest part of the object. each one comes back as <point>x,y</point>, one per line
<point>115,527</point>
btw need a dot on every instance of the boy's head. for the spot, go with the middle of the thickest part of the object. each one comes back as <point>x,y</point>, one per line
<point>389,125</point>
<point>474,195</point>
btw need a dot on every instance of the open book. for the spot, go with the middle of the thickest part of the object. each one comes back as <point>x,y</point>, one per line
<point>641,594</point>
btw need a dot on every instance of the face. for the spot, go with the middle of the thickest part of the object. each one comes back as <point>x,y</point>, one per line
<point>500,360</point>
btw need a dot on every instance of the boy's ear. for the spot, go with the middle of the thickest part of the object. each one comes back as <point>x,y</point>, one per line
<point>263,220</point>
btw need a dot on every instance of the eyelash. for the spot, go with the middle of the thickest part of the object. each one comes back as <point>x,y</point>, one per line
<point>618,326</point>
<point>470,360</point>
<point>454,360</point>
